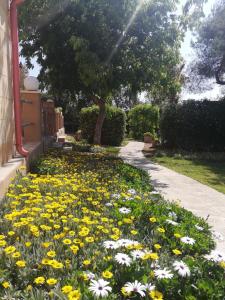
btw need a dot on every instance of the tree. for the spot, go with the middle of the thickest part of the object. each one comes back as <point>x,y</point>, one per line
<point>99,47</point>
<point>210,45</point>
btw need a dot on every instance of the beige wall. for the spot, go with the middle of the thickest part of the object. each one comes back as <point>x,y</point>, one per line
<point>6,100</point>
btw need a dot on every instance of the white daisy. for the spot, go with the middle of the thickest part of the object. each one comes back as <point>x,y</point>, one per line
<point>187,240</point>
<point>100,288</point>
<point>89,275</point>
<point>132,191</point>
<point>215,256</point>
<point>173,215</point>
<point>155,193</point>
<point>163,273</point>
<point>108,204</point>
<point>110,245</point>
<point>124,242</point>
<point>124,210</point>
<point>182,269</point>
<point>172,222</point>
<point>136,254</point>
<point>199,227</point>
<point>135,287</point>
<point>123,259</point>
<point>149,287</point>
<point>117,196</point>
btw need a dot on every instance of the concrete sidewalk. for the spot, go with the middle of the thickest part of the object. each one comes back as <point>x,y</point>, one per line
<point>202,200</point>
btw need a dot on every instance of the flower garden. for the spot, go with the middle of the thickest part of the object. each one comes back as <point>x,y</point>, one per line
<point>87,226</point>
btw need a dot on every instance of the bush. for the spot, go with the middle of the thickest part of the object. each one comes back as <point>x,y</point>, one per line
<point>113,127</point>
<point>194,125</point>
<point>143,118</point>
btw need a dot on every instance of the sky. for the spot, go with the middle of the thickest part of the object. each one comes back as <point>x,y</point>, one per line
<point>188,55</point>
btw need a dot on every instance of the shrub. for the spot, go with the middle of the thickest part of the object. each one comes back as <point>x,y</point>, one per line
<point>143,118</point>
<point>194,125</point>
<point>113,127</point>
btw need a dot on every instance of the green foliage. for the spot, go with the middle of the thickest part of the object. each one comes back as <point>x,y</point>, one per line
<point>113,127</point>
<point>143,118</point>
<point>100,47</point>
<point>210,44</point>
<point>194,125</point>
<point>79,192</point>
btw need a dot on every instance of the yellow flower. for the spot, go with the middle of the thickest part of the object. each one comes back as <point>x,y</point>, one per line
<point>39,280</point>
<point>89,239</point>
<point>16,254</point>
<point>28,244</point>
<point>6,284</point>
<point>11,233</point>
<point>3,243</point>
<point>152,219</point>
<point>74,295</point>
<point>107,274</point>
<point>51,281</point>
<point>21,263</point>
<point>86,262</point>
<point>51,254</point>
<point>67,242</point>
<point>177,235</point>
<point>10,249</point>
<point>222,264</point>
<point>157,246</point>
<point>134,232</point>
<point>124,292</point>
<point>161,230</point>
<point>66,289</point>
<point>156,295</point>
<point>176,252</point>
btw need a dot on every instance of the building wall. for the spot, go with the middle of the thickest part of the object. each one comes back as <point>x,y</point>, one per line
<point>6,99</point>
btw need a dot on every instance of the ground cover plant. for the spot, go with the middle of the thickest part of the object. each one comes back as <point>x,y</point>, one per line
<point>87,226</point>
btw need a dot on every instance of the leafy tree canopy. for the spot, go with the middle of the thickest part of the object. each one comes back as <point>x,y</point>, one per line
<point>210,45</point>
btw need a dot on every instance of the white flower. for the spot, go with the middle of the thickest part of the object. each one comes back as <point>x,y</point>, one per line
<point>117,196</point>
<point>110,245</point>
<point>89,275</point>
<point>149,287</point>
<point>136,254</point>
<point>124,242</point>
<point>172,222</point>
<point>199,227</point>
<point>172,215</point>
<point>163,273</point>
<point>187,240</point>
<point>132,191</point>
<point>124,210</point>
<point>100,288</point>
<point>123,259</point>
<point>155,193</point>
<point>135,287</point>
<point>215,256</point>
<point>108,204</point>
<point>182,269</point>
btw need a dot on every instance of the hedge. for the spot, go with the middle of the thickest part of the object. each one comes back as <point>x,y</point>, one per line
<point>143,118</point>
<point>113,127</point>
<point>194,125</point>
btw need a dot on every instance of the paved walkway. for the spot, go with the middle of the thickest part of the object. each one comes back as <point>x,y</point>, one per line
<point>202,200</point>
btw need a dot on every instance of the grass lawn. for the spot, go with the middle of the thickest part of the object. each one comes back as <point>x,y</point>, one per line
<point>207,171</point>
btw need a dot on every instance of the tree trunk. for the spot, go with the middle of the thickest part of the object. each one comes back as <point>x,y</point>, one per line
<point>100,120</point>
